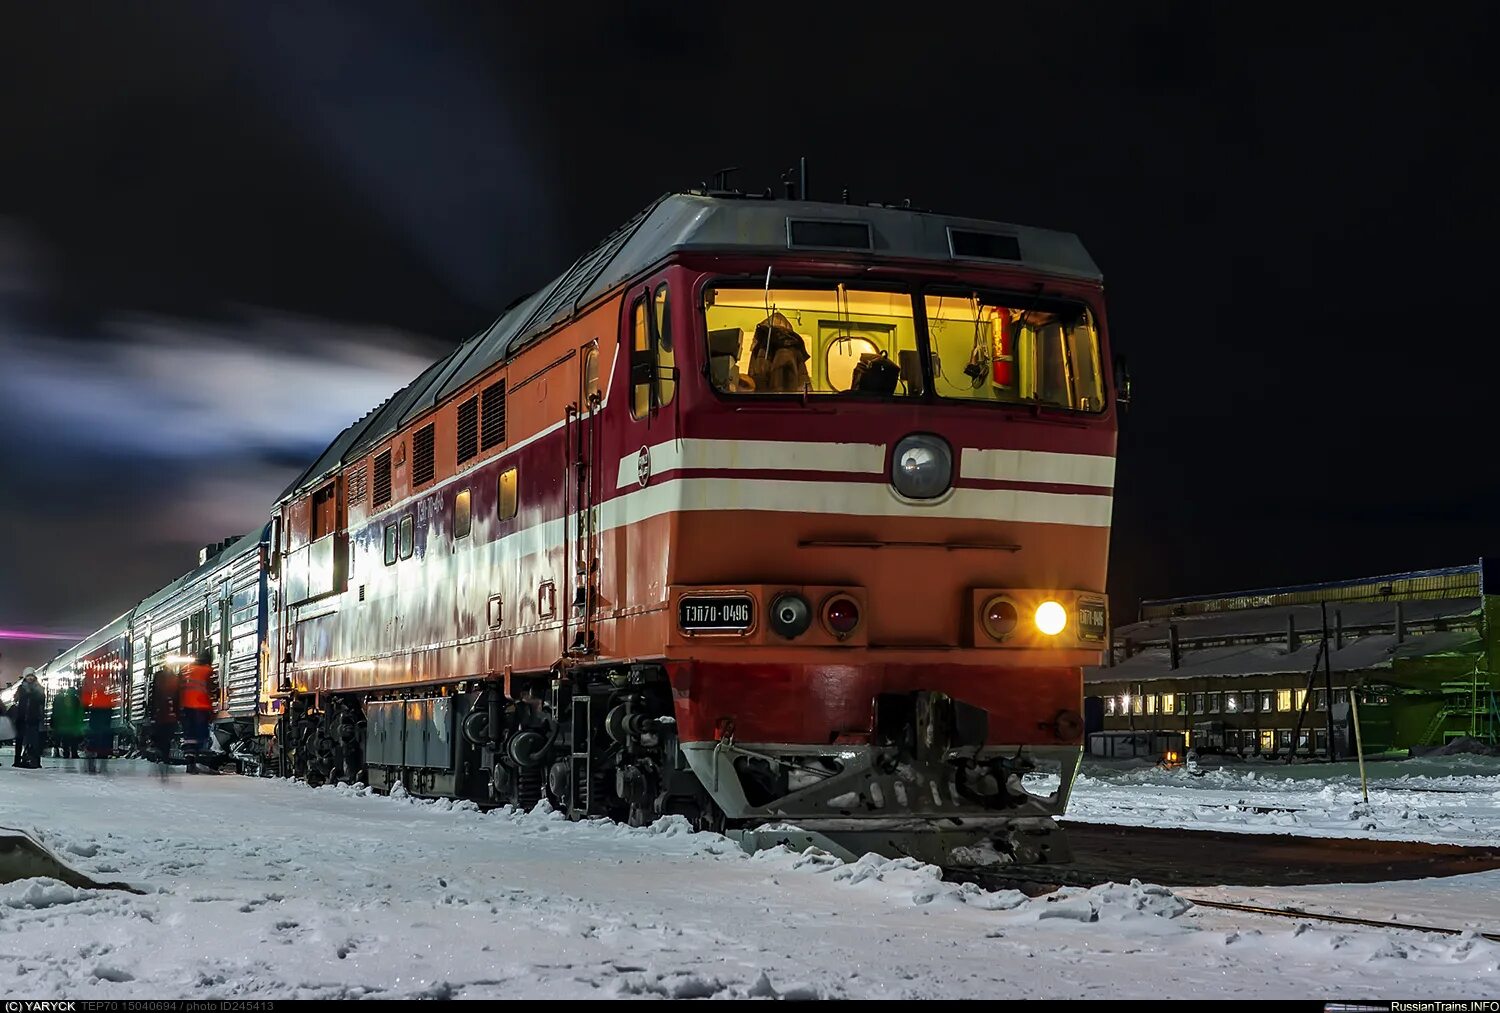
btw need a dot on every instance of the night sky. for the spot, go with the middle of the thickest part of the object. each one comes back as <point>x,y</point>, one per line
<point>228,231</point>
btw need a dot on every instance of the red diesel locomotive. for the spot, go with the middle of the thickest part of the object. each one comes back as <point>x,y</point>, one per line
<point>789,517</point>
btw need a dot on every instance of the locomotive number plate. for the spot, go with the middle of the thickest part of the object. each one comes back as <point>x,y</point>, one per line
<point>1092,622</point>
<point>716,613</point>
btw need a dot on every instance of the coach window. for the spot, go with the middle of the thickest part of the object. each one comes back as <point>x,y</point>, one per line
<point>390,544</point>
<point>408,536</point>
<point>508,491</point>
<point>463,517</point>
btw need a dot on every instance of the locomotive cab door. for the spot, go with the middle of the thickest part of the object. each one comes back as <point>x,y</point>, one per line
<point>636,565</point>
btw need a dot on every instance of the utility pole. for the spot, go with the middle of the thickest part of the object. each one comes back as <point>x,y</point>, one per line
<point>1333,752</point>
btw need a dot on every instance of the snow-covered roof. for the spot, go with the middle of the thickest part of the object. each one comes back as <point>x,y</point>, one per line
<point>1229,639</point>
<point>1308,620</point>
<point>1366,653</point>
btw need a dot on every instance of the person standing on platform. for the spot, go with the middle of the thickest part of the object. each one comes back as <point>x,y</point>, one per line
<point>164,709</point>
<point>31,702</point>
<point>67,721</point>
<point>98,699</point>
<point>197,708</point>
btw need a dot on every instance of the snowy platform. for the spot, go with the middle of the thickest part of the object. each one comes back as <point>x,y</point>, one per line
<point>1439,800</point>
<point>269,889</point>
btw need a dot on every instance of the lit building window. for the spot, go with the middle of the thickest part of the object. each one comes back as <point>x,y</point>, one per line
<point>1168,703</point>
<point>1283,699</point>
<point>1137,706</point>
<point>1151,701</point>
<point>1109,706</point>
<point>1301,698</point>
<point>1267,740</point>
<point>1267,701</point>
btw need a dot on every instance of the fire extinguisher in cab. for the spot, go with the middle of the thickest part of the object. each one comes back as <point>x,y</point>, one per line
<point>1002,354</point>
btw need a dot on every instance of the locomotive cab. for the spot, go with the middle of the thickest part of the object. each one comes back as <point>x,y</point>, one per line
<point>888,566</point>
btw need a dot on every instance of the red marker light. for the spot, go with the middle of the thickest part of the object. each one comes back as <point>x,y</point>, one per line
<point>999,617</point>
<point>841,617</point>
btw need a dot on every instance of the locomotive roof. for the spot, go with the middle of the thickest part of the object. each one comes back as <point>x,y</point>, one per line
<point>718,222</point>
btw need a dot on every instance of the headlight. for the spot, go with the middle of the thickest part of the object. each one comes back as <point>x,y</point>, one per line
<point>1051,618</point>
<point>922,467</point>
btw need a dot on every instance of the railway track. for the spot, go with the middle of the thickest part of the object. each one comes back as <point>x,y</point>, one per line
<point>1178,858</point>
<point>1301,915</point>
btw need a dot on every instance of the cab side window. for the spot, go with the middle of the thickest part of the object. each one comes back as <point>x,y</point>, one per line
<point>652,355</point>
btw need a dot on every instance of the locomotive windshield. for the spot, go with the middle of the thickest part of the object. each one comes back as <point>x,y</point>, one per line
<point>821,341</point>
<point>839,340</point>
<point>1015,351</point>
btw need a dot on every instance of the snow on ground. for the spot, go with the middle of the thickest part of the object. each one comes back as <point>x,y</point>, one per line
<point>269,889</point>
<point>1450,799</point>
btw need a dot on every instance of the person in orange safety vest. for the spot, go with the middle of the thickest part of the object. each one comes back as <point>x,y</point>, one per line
<point>197,708</point>
<point>99,696</point>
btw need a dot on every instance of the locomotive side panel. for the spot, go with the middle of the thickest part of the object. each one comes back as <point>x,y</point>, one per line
<point>427,605</point>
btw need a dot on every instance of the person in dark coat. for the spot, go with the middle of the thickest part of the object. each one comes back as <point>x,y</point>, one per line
<point>31,703</point>
<point>165,687</point>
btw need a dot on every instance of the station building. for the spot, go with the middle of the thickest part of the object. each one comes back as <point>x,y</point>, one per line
<point>1272,671</point>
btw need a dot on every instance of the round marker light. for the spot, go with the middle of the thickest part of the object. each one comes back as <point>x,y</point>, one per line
<point>841,616</point>
<point>1000,618</point>
<point>790,615</point>
<point>1051,618</point>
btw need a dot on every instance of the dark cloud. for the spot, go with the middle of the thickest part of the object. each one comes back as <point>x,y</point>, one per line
<point>1293,210</point>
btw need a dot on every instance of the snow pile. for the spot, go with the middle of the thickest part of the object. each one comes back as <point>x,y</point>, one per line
<point>39,893</point>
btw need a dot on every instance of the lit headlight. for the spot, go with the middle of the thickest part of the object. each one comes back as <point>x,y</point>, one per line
<point>1051,618</point>
<point>922,467</point>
